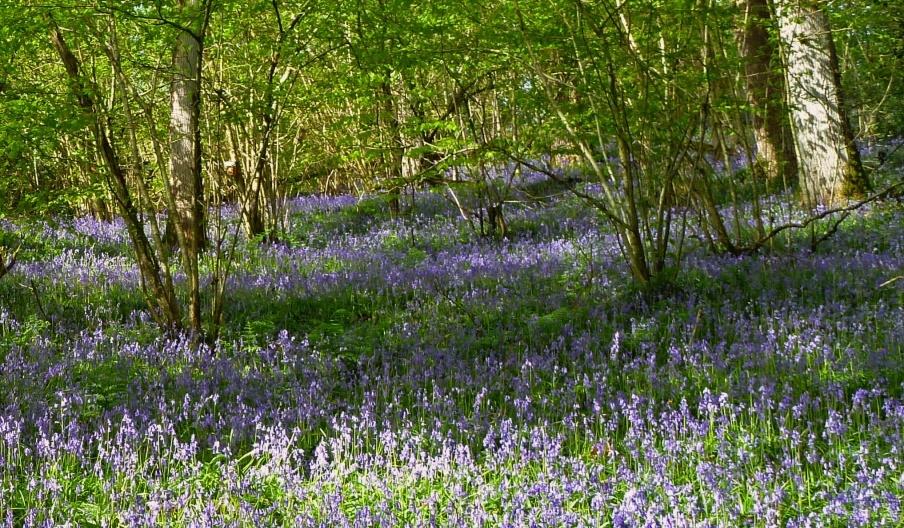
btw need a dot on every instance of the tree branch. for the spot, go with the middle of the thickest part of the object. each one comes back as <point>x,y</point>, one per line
<point>593,200</point>
<point>799,225</point>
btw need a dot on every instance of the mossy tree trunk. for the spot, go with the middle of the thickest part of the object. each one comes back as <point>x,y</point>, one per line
<point>830,166</point>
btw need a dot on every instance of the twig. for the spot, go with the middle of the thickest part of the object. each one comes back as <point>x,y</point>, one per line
<point>34,290</point>
<point>825,236</point>
<point>596,202</point>
<point>891,280</point>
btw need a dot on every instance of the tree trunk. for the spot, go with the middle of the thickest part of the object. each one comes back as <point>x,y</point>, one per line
<point>162,301</point>
<point>396,151</point>
<point>765,93</point>
<point>186,186</point>
<point>830,167</point>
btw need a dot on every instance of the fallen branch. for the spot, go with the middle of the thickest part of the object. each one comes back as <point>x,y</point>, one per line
<point>828,212</point>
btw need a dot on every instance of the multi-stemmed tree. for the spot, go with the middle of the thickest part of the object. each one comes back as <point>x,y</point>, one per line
<point>184,187</point>
<point>647,97</point>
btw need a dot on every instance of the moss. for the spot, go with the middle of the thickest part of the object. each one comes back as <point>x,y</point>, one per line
<point>855,183</point>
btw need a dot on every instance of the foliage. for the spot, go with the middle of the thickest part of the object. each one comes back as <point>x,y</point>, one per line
<point>421,312</point>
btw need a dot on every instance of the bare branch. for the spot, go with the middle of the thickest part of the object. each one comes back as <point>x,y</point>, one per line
<point>593,200</point>
<point>891,281</point>
<point>828,212</point>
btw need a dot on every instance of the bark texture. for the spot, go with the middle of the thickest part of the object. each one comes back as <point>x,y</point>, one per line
<point>830,166</point>
<point>765,93</point>
<point>185,181</point>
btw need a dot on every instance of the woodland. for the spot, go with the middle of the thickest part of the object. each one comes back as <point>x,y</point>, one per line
<point>520,263</point>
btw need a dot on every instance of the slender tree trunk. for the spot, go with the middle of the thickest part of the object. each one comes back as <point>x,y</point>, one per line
<point>164,307</point>
<point>830,167</point>
<point>252,219</point>
<point>390,120</point>
<point>186,185</point>
<point>112,50</point>
<point>765,93</point>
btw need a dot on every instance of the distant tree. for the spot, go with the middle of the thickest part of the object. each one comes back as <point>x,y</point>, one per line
<point>871,57</point>
<point>265,62</point>
<point>765,88</point>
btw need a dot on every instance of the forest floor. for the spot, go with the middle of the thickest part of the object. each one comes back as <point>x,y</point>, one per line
<point>380,371</point>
